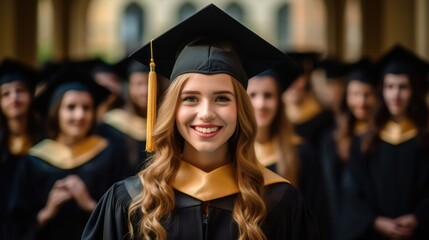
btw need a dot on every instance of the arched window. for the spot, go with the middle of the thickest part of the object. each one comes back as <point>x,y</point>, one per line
<point>132,27</point>
<point>186,11</point>
<point>283,29</point>
<point>235,11</point>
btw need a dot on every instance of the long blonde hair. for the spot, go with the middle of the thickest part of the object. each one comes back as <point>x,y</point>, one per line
<point>156,202</point>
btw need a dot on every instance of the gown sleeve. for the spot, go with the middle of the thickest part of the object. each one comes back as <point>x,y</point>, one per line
<point>109,219</point>
<point>289,217</point>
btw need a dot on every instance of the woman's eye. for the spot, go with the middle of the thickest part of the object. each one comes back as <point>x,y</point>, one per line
<point>222,99</point>
<point>71,107</point>
<point>190,99</point>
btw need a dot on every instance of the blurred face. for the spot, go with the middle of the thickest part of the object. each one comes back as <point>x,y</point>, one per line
<point>15,99</point>
<point>334,93</point>
<point>361,100</point>
<point>264,96</point>
<point>76,114</point>
<point>138,87</point>
<point>296,91</point>
<point>206,115</point>
<point>397,94</point>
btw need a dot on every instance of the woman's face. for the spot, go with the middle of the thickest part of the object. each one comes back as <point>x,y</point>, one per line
<point>264,96</point>
<point>206,115</point>
<point>15,99</point>
<point>397,94</point>
<point>361,99</point>
<point>76,114</point>
<point>138,88</point>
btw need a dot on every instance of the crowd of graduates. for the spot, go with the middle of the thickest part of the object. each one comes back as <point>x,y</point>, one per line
<point>352,137</point>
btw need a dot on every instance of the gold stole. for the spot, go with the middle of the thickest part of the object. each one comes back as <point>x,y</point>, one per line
<point>221,182</point>
<point>398,132</point>
<point>129,124</point>
<point>303,112</point>
<point>64,157</point>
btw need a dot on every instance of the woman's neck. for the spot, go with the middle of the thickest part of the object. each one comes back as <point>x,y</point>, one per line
<point>18,126</point>
<point>206,161</point>
<point>69,141</point>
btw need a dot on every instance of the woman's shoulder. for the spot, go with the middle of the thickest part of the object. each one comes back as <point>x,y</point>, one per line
<point>125,190</point>
<point>283,195</point>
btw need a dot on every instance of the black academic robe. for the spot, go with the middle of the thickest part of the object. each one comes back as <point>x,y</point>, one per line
<point>348,215</point>
<point>395,182</point>
<point>288,215</point>
<point>313,129</point>
<point>98,173</point>
<point>133,149</point>
<point>10,170</point>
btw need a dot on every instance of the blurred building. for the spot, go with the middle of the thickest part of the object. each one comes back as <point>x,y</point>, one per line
<point>39,30</point>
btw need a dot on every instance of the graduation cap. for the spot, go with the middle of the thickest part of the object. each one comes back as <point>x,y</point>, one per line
<point>208,42</point>
<point>333,68</point>
<point>12,70</point>
<point>304,60</point>
<point>68,77</point>
<point>364,71</point>
<point>128,66</point>
<point>399,60</point>
<point>284,74</point>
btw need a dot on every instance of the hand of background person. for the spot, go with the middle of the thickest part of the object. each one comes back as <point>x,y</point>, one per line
<point>77,188</point>
<point>407,224</point>
<point>57,196</point>
<point>390,228</point>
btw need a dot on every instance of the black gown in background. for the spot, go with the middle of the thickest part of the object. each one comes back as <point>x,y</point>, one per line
<point>10,170</point>
<point>128,132</point>
<point>98,173</point>
<point>395,182</point>
<point>288,217</point>
<point>349,216</point>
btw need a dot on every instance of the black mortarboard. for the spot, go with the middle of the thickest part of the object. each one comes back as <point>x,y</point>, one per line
<point>304,62</point>
<point>12,70</point>
<point>69,77</point>
<point>284,74</point>
<point>210,42</point>
<point>127,66</point>
<point>334,68</point>
<point>399,60</point>
<point>364,71</point>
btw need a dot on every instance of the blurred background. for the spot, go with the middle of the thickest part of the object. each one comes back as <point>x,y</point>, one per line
<point>36,31</point>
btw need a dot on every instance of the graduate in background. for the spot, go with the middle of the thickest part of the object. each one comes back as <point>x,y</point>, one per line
<point>357,109</point>
<point>19,130</point>
<point>334,72</point>
<point>108,76</point>
<point>277,146</point>
<point>127,125</point>
<point>67,173</point>
<point>204,180</point>
<point>303,109</point>
<point>394,172</point>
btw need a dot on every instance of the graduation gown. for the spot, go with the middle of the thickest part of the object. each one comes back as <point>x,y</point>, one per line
<point>94,160</point>
<point>396,177</point>
<point>348,214</point>
<point>310,121</point>
<point>288,215</point>
<point>128,132</point>
<point>11,167</point>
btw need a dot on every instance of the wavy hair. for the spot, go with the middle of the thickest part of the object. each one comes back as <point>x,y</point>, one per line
<point>155,203</point>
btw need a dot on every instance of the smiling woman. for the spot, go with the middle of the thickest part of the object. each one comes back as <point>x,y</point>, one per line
<point>203,180</point>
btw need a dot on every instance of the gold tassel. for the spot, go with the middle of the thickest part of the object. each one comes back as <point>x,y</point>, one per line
<point>151,105</point>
